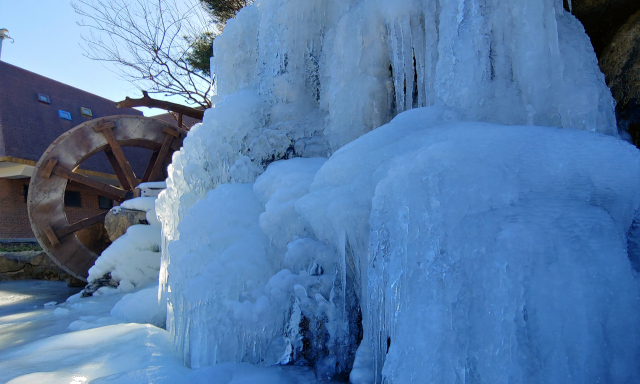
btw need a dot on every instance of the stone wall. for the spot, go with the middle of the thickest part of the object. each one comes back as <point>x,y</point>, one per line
<point>29,265</point>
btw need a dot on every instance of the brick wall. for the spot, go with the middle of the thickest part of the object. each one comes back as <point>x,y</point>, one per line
<point>14,221</point>
<point>88,209</point>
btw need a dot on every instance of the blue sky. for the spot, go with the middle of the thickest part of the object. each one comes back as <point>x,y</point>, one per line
<point>47,42</point>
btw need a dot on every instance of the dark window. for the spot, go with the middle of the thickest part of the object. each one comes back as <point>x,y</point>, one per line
<point>44,99</point>
<point>25,191</point>
<point>105,202</point>
<point>72,199</point>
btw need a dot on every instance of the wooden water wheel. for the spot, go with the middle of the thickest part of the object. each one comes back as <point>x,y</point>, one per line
<point>59,167</point>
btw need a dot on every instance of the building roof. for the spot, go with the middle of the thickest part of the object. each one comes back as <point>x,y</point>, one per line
<point>28,126</point>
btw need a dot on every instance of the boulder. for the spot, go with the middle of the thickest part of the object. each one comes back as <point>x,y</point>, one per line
<point>602,18</point>
<point>614,29</point>
<point>119,219</point>
<point>620,62</point>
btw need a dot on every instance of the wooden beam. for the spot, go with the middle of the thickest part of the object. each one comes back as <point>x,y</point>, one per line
<point>100,187</point>
<point>53,239</point>
<point>105,125</point>
<point>171,131</point>
<point>107,131</point>
<point>152,162</point>
<point>164,150</point>
<point>117,169</point>
<point>46,171</point>
<point>96,191</point>
<point>148,102</point>
<point>62,232</point>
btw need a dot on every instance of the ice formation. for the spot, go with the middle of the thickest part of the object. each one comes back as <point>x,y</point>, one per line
<point>461,242</point>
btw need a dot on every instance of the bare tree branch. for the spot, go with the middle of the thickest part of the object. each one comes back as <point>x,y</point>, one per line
<point>147,101</point>
<point>148,40</point>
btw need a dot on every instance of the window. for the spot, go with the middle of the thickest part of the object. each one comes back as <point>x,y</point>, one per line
<point>104,202</point>
<point>44,99</point>
<point>64,115</point>
<point>25,191</point>
<point>72,199</point>
<point>86,112</point>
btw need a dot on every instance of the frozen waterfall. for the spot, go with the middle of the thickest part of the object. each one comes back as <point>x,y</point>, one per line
<point>448,234</point>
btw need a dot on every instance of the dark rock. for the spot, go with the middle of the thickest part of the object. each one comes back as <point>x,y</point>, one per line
<point>94,285</point>
<point>620,62</point>
<point>614,29</point>
<point>94,237</point>
<point>602,18</point>
<point>119,219</point>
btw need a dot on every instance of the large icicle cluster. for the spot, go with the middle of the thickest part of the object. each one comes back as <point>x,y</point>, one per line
<point>300,262</point>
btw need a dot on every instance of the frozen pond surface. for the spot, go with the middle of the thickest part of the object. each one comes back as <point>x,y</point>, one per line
<point>25,295</point>
<point>23,314</point>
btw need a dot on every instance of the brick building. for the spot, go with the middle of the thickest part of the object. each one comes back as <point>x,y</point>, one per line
<point>34,111</point>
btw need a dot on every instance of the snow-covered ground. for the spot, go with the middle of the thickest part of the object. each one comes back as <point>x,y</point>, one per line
<point>86,341</point>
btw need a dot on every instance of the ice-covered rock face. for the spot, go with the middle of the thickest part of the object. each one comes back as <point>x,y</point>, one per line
<point>248,277</point>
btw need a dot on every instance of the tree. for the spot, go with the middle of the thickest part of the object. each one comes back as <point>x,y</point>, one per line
<point>221,11</point>
<point>201,51</point>
<point>152,43</point>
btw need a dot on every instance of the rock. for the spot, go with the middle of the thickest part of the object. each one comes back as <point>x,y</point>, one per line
<point>620,62</point>
<point>119,219</point>
<point>614,29</point>
<point>104,281</point>
<point>94,237</point>
<point>602,18</point>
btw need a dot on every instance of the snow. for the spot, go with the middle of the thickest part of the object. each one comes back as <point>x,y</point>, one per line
<point>152,189</point>
<point>145,204</point>
<point>141,307</point>
<point>133,259</point>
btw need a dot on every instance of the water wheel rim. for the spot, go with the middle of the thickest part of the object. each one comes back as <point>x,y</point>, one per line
<point>45,200</point>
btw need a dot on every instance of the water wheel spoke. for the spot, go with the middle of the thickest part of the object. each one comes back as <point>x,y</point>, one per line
<point>170,134</point>
<point>98,186</point>
<point>82,224</point>
<point>152,162</point>
<point>107,131</point>
<point>117,169</point>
